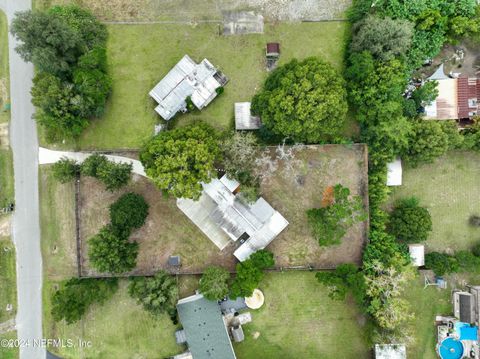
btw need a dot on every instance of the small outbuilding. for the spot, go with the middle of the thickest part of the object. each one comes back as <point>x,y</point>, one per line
<point>273,50</point>
<point>394,173</point>
<point>417,254</point>
<point>243,117</point>
<point>237,334</point>
<point>390,351</point>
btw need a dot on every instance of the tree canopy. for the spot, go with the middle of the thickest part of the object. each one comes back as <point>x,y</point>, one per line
<point>384,38</point>
<point>214,283</point>
<point>67,46</point>
<point>112,174</point>
<point>409,222</point>
<point>129,212</point>
<point>250,273</point>
<point>75,296</point>
<point>330,223</point>
<point>157,294</point>
<point>110,251</point>
<point>304,101</point>
<point>65,170</point>
<point>179,159</point>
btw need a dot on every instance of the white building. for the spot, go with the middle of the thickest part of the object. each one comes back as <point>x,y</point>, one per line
<point>394,173</point>
<point>187,79</point>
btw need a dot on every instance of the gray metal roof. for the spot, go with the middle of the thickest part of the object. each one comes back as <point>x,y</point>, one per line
<point>207,335</point>
<point>466,308</point>
<point>243,117</point>
<point>225,211</point>
<point>185,79</point>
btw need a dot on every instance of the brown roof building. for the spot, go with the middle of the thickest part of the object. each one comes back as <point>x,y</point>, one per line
<point>457,97</point>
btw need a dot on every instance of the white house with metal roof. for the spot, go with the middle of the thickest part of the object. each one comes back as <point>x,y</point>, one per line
<point>187,79</point>
<point>223,217</point>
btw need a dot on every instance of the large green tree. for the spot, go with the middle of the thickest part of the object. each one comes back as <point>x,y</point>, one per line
<point>74,297</point>
<point>180,159</point>
<point>409,222</point>
<point>250,273</point>
<point>384,38</point>
<point>129,212</point>
<point>157,294</point>
<point>214,283</point>
<point>110,251</point>
<point>330,223</point>
<point>304,101</point>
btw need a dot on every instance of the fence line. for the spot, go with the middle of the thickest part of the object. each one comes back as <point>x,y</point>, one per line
<point>77,224</point>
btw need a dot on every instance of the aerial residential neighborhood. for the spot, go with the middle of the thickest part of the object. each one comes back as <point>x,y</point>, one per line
<point>218,179</point>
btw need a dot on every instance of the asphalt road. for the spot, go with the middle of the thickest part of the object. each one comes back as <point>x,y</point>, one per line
<point>26,225</point>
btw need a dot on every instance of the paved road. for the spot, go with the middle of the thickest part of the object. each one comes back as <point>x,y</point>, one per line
<point>26,226</point>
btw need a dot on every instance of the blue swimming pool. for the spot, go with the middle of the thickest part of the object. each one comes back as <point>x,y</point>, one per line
<point>451,349</point>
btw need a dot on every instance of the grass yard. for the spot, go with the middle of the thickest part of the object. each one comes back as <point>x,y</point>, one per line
<point>297,185</point>
<point>119,329</point>
<point>425,304</point>
<point>6,178</point>
<point>57,222</point>
<point>450,189</point>
<point>141,55</point>
<point>9,353</point>
<point>299,320</point>
<point>8,292</point>
<point>4,76</point>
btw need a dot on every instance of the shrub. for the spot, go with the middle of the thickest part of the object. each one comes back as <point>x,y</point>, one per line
<point>441,263</point>
<point>214,283</point>
<point>250,273</point>
<point>65,170</point>
<point>345,278</point>
<point>157,294</point>
<point>476,250</point>
<point>474,220</point>
<point>75,296</point>
<point>409,222</point>
<point>129,212</point>
<point>110,251</point>
<point>113,175</point>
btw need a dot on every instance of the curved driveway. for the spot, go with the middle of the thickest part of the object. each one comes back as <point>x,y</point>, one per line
<point>26,226</point>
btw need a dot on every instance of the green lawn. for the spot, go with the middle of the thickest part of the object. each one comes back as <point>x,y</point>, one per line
<point>450,189</point>
<point>9,353</point>
<point>299,320</point>
<point>119,329</point>
<point>4,76</point>
<point>6,177</point>
<point>425,304</point>
<point>8,294</point>
<point>141,55</point>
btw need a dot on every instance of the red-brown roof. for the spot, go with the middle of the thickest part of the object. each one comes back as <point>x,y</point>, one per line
<point>468,88</point>
<point>273,48</point>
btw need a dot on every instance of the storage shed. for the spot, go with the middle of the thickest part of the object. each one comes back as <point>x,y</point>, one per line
<point>243,117</point>
<point>394,173</point>
<point>417,254</point>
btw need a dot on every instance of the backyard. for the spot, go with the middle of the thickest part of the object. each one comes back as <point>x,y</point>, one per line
<point>299,320</point>
<point>167,231</point>
<point>136,66</point>
<point>201,10</point>
<point>450,189</point>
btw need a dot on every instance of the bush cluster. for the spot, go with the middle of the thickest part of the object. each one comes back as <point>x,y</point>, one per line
<point>110,250</point>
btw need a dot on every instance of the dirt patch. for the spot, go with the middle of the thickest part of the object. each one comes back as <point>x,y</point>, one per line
<point>5,226</point>
<point>321,167</point>
<point>169,232</point>
<point>208,10</point>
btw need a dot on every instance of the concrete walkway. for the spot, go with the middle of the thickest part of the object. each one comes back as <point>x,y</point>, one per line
<point>46,156</point>
<point>26,224</point>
